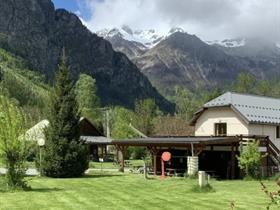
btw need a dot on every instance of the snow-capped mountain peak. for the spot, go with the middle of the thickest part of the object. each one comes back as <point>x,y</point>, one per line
<point>149,38</point>
<point>176,29</point>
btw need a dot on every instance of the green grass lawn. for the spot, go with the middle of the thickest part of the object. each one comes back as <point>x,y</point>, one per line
<point>111,165</point>
<point>96,165</point>
<point>132,192</point>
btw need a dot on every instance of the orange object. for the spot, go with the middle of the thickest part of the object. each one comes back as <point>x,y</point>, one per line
<point>166,156</point>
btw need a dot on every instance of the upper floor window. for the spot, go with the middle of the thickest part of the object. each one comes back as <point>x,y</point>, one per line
<point>278,132</point>
<point>220,129</point>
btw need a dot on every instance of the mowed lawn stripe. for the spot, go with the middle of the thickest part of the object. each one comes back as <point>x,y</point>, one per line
<point>132,192</point>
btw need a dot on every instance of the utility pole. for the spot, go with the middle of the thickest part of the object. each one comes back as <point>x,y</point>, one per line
<point>108,123</point>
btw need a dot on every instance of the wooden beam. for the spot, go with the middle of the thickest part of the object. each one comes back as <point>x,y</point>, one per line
<point>192,149</point>
<point>232,161</point>
<point>267,158</point>
<point>153,151</point>
<point>102,151</point>
<point>122,149</point>
<point>155,164</point>
<point>198,149</point>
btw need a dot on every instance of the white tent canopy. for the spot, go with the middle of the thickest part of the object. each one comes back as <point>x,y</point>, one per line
<point>36,133</point>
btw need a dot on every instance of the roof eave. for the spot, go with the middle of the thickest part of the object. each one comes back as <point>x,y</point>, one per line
<point>196,116</point>
<point>263,123</point>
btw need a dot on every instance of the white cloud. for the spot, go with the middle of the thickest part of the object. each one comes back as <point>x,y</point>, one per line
<point>209,19</point>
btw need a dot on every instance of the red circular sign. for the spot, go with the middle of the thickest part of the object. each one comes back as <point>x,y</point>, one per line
<point>166,156</point>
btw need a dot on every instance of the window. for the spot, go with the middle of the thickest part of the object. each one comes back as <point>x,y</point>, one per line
<point>278,132</point>
<point>220,129</point>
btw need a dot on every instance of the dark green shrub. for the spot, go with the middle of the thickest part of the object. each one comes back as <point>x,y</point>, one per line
<point>250,159</point>
<point>137,152</point>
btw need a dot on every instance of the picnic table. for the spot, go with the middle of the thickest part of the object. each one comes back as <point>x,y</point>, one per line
<point>174,172</point>
<point>170,171</point>
<point>127,163</point>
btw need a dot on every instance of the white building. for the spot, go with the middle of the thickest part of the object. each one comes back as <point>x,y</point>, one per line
<point>239,114</point>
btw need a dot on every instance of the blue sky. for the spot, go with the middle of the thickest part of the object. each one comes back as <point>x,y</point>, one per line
<point>75,6</point>
<point>70,5</point>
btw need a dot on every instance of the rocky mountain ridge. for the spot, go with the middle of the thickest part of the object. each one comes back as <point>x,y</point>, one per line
<point>183,59</point>
<point>35,31</point>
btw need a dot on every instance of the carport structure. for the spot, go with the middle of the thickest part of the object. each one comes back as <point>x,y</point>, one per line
<point>214,152</point>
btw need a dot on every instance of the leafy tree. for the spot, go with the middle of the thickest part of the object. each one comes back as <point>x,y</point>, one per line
<point>264,88</point>
<point>250,159</point>
<point>87,98</point>
<point>246,83</point>
<point>13,146</point>
<point>65,155</point>
<point>186,103</point>
<point>120,124</point>
<point>172,126</point>
<point>145,112</point>
<point>206,96</point>
<point>276,89</point>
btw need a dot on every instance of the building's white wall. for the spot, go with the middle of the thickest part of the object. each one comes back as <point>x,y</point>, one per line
<point>205,123</point>
<point>235,125</point>
<point>267,130</point>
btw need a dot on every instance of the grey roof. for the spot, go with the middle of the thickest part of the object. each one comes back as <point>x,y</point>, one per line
<point>179,141</point>
<point>96,139</point>
<point>253,108</point>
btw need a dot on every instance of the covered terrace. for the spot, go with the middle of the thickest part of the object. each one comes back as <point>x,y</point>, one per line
<point>216,153</point>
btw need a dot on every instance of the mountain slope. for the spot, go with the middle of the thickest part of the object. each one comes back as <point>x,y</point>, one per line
<point>34,30</point>
<point>178,58</point>
<point>24,86</point>
<point>183,59</point>
<point>134,43</point>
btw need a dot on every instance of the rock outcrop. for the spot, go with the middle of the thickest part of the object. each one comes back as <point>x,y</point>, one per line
<point>34,30</point>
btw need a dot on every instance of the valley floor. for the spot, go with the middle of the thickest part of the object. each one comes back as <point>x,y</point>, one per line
<point>132,192</point>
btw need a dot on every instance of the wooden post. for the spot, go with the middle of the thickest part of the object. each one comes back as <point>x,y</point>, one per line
<point>155,164</point>
<point>236,153</point>
<point>145,170</point>
<point>105,150</point>
<point>192,149</point>
<point>153,151</point>
<point>122,149</point>
<point>122,163</point>
<point>102,151</point>
<point>152,160</point>
<point>117,155</point>
<point>232,161</point>
<point>267,158</point>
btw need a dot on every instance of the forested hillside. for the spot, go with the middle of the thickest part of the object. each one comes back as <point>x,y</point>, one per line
<point>25,87</point>
<point>35,31</point>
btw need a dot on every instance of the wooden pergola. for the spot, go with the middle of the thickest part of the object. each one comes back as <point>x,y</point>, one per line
<point>195,144</point>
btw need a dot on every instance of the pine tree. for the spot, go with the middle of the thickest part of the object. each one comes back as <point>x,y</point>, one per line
<point>65,155</point>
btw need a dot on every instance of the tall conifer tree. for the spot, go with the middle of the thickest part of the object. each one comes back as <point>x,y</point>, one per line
<point>65,155</point>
